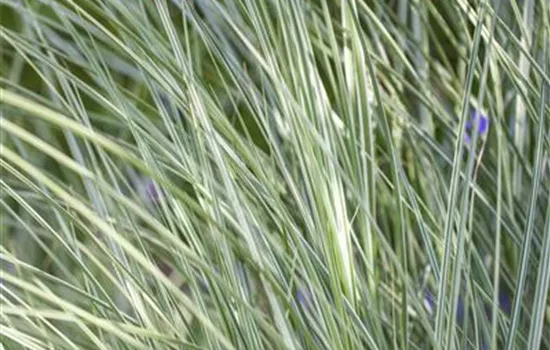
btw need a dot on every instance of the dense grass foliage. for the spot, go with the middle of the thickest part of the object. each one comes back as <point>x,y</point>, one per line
<point>275,174</point>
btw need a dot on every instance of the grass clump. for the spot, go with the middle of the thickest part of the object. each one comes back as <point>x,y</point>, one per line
<point>280,174</point>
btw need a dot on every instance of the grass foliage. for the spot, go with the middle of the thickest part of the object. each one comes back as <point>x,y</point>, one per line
<point>275,174</point>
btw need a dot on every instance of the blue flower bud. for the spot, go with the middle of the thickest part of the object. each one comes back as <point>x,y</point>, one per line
<point>477,121</point>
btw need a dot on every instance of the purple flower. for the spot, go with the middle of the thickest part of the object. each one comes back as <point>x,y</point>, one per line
<point>152,191</point>
<point>505,305</point>
<point>304,297</point>
<point>505,302</point>
<point>460,310</point>
<point>149,191</point>
<point>429,303</point>
<point>477,121</point>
